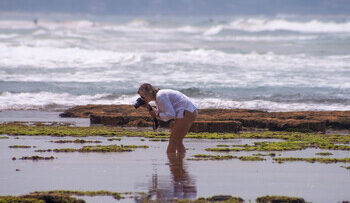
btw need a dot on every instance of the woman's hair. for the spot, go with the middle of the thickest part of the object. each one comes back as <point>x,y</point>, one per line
<point>148,89</point>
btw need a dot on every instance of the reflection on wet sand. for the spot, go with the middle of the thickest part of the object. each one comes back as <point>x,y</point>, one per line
<point>179,186</point>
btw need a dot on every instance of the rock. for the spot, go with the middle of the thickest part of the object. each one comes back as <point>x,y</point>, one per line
<point>219,120</point>
<point>216,126</point>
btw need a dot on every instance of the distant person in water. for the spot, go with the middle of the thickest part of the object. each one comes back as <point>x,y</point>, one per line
<point>171,104</point>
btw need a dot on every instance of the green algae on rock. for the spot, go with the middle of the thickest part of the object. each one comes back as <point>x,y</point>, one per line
<point>4,137</point>
<point>61,196</point>
<point>269,154</point>
<point>115,195</point>
<point>222,145</point>
<point>65,196</point>
<point>214,157</point>
<point>324,153</point>
<point>159,140</point>
<point>199,157</point>
<point>289,140</point>
<point>97,148</point>
<point>36,158</point>
<point>76,141</point>
<point>40,197</point>
<point>251,158</point>
<point>112,139</point>
<point>313,160</point>
<point>20,146</point>
<point>281,199</point>
<point>12,199</point>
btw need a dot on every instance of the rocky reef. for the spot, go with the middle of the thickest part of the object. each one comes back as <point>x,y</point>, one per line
<point>219,120</point>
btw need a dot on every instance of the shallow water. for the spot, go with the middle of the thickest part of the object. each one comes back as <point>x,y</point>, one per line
<point>161,177</point>
<point>41,116</point>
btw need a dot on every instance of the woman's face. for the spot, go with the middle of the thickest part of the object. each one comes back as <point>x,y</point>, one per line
<point>145,96</point>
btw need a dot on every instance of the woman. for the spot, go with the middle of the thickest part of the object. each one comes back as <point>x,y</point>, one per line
<point>171,104</point>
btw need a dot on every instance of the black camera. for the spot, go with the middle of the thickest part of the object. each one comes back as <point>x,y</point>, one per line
<point>139,102</point>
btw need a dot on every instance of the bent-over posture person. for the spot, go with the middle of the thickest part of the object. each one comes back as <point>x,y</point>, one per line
<point>171,104</point>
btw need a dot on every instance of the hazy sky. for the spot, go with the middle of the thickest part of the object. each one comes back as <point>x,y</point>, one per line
<point>179,7</point>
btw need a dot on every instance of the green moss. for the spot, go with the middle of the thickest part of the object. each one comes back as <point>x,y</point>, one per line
<point>77,141</point>
<point>4,137</point>
<point>281,199</point>
<point>313,160</point>
<point>97,148</point>
<point>324,153</point>
<point>20,146</point>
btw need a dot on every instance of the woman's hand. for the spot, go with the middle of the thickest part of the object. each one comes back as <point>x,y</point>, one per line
<point>153,113</point>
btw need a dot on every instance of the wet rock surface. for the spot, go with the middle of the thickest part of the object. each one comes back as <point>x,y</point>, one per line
<point>219,120</point>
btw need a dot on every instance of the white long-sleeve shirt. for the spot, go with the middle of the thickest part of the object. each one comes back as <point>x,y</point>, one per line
<point>171,104</point>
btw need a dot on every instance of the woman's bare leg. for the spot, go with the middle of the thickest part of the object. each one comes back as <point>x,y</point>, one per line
<point>189,118</point>
<point>179,131</point>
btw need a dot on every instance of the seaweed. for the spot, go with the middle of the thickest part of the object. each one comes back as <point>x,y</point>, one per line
<point>290,140</point>
<point>324,153</point>
<point>222,145</point>
<point>76,141</point>
<point>282,199</point>
<point>97,148</point>
<point>251,158</point>
<point>20,146</point>
<point>159,140</point>
<point>269,154</point>
<point>199,157</point>
<point>312,160</point>
<point>112,139</point>
<point>36,158</point>
<point>64,196</point>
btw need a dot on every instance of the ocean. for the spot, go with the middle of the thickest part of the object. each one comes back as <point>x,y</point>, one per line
<point>278,63</point>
